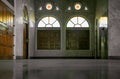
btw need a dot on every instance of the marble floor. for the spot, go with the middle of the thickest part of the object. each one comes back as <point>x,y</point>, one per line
<point>60,69</point>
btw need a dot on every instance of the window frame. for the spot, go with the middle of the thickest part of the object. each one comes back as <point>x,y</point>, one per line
<point>48,22</point>
<point>77,23</point>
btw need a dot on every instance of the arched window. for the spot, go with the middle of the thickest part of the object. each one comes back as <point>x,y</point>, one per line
<point>48,22</point>
<point>77,22</point>
<point>48,36</point>
<point>77,39</point>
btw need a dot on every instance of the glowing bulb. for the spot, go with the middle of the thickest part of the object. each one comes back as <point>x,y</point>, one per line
<point>40,8</point>
<point>86,8</point>
<point>103,22</point>
<point>69,8</point>
<point>57,8</point>
<point>77,6</point>
<point>49,6</point>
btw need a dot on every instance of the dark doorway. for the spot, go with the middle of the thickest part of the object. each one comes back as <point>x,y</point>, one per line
<point>25,41</point>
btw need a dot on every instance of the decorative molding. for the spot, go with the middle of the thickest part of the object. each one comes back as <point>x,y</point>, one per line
<point>8,4</point>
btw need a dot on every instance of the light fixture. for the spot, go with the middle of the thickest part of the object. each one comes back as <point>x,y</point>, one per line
<point>49,6</point>
<point>40,8</point>
<point>77,6</point>
<point>103,22</point>
<point>69,8</point>
<point>86,8</point>
<point>57,8</point>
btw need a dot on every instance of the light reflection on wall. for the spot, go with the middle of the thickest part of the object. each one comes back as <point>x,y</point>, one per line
<point>20,20</point>
<point>7,19</point>
<point>1,18</point>
<point>103,22</point>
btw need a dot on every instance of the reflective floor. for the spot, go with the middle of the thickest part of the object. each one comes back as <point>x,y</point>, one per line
<point>59,69</point>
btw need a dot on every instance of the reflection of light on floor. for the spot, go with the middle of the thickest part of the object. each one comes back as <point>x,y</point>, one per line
<point>60,69</point>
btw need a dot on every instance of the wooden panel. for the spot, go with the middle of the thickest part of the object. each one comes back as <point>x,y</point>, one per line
<point>1,13</point>
<point>48,39</point>
<point>77,40</point>
<point>7,16</point>
<point>6,45</point>
<point>6,36</point>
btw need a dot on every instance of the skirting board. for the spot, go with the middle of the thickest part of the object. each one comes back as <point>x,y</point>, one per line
<point>110,57</point>
<point>19,57</point>
<point>114,57</point>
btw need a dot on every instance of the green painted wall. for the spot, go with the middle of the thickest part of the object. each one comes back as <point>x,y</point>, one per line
<point>63,15</point>
<point>101,8</point>
<point>101,33</point>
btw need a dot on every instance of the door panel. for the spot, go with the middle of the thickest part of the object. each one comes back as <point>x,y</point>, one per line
<point>25,41</point>
<point>48,40</point>
<point>77,40</point>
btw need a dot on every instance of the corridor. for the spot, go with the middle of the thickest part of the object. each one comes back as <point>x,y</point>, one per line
<point>59,39</point>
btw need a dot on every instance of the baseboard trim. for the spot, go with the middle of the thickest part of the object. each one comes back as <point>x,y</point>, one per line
<point>114,57</point>
<point>61,57</point>
<point>110,57</point>
<point>19,57</point>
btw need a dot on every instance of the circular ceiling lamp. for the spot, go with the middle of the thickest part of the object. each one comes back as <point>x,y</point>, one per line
<point>77,6</point>
<point>49,6</point>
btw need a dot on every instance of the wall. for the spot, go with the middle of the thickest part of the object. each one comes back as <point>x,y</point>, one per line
<point>101,45</point>
<point>63,5</point>
<point>18,31</point>
<point>113,24</point>
<point>114,28</point>
<point>63,15</point>
<point>101,8</point>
